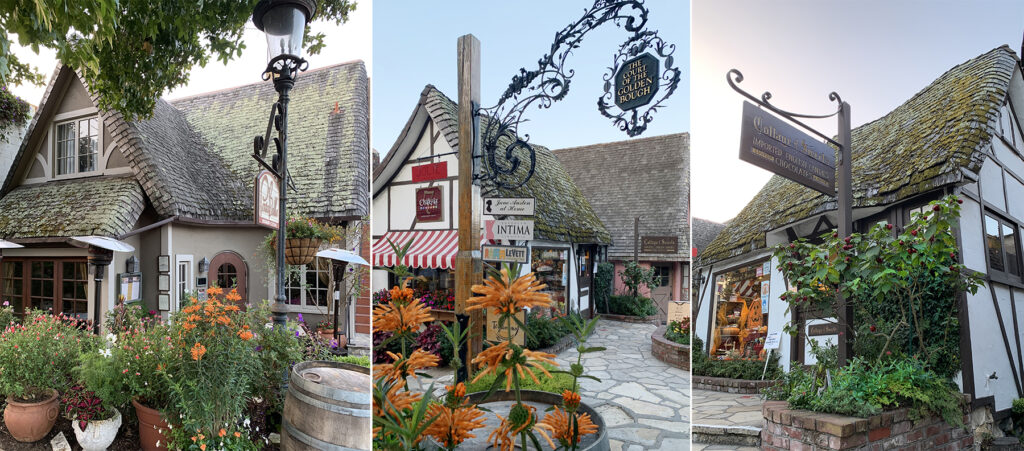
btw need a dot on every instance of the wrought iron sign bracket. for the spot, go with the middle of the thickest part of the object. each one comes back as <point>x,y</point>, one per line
<point>734,77</point>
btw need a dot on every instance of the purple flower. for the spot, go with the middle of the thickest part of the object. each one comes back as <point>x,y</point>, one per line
<point>297,334</point>
<point>300,318</point>
<point>259,348</point>
<point>334,344</point>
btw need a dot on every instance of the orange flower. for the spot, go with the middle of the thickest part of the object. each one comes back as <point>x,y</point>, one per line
<point>188,326</point>
<point>520,418</point>
<point>570,399</point>
<point>192,308</point>
<point>508,358</point>
<point>222,432</point>
<point>505,296</point>
<point>202,447</point>
<point>198,351</point>
<point>245,335</point>
<point>193,318</point>
<point>400,317</point>
<point>397,401</point>
<point>233,296</point>
<point>231,308</point>
<point>453,426</point>
<point>557,423</point>
<point>401,294</point>
<point>224,320</point>
<point>238,434</point>
<point>405,367</point>
<point>214,291</point>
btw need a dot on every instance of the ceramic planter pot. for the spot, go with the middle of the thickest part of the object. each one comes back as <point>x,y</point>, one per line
<point>328,335</point>
<point>300,251</point>
<point>151,428</point>
<point>98,435</point>
<point>31,421</point>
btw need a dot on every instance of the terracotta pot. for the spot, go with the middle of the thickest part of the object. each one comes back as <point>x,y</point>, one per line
<point>31,421</point>
<point>328,335</point>
<point>300,251</point>
<point>151,427</point>
<point>98,435</point>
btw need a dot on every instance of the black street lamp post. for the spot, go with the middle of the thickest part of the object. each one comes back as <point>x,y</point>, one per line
<point>284,22</point>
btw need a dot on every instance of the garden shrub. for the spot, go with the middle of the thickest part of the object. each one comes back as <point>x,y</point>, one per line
<point>747,369</point>
<point>558,383</point>
<point>678,331</point>
<point>544,331</point>
<point>603,284</point>
<point>363,361</point>
<point>432,340</point>
<point>634,276</point>
<point>41,355</point>
<point>620,304</point>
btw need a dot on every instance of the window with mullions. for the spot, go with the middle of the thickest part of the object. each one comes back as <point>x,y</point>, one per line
<point>1003,246</point>
<point>77,146</point>
<point>309,285</point>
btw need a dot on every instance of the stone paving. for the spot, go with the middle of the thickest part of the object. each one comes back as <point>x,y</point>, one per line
<point>644,402</point>
<point>726,420</point>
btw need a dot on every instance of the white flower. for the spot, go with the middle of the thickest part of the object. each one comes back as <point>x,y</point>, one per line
<point>111,338</point>
<point>158,443</point>
<point>246,422</point>
<point>105,352</point>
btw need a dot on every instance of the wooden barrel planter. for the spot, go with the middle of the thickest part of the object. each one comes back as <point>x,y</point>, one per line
<point>328,407</point>
<point>300,251</point>
<point>597,442</point>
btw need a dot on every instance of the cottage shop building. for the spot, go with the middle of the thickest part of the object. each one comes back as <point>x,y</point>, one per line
<point>178,188</point>
<point>414,198</point>
<point>960,135</point>
<point>651,183</point>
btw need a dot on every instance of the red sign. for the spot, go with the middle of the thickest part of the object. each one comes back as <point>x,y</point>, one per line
<point>428,172</point>
<point>268,200</point>
<point>428,204</point>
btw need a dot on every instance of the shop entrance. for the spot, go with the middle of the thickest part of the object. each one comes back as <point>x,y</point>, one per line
<point>228,270</point>
<point>740,314</point>
<point>662,293</point>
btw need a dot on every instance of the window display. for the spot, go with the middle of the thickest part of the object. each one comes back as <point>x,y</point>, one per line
<point>740,315</point>
<point>552,269</point>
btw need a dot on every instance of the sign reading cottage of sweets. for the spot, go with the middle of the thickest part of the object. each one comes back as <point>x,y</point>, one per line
<point>768,142</point>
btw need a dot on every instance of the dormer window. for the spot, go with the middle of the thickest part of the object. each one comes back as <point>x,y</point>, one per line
<point>77,146</point>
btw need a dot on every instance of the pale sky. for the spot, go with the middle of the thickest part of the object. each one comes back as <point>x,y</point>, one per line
<point>351,41</point>
<point>875,54</point>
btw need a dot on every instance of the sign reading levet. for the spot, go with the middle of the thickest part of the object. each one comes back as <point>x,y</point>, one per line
<point>659,244</point>
<point>268,200</point>
<point>505,254</point>
<point>637,82</point>
<point>428,204</point>
<point>770,143</point>
<point>428,172</point>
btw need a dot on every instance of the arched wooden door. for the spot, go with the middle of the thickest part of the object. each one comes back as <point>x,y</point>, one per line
<point>228,270</point>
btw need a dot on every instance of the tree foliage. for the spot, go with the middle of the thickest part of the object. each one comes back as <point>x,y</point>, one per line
<point>131,51</point>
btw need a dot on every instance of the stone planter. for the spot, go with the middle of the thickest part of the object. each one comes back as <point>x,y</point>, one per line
<point>151,428</point>
<point>670,352</point>
<point>726,385</point>
<point>98,435</point>
<point>30,421</point>
<point>802,429</point>
<point>589,443</point>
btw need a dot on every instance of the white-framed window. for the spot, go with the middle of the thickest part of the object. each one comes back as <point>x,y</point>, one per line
<point>309,286</point>
<point>77,146</point>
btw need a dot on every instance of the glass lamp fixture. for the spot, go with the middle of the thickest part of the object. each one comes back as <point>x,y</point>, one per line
<point>284,23</point>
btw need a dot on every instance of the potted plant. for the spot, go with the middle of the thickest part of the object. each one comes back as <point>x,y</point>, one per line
<point>302,240</point>
<point>94,424</point>
<point>36,361</point>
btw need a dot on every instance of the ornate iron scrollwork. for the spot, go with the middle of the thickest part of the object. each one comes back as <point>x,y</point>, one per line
<point>549,83</point>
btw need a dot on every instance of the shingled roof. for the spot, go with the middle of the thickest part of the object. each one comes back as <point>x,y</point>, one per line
<point>650,180</point>
<point>704,232</point>
<point>919,146</point>
<point>108,206</point>
<point>562,212</point>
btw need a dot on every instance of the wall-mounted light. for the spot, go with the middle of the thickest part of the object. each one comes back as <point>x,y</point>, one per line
<point>204,265</point>
<point>131,265</point>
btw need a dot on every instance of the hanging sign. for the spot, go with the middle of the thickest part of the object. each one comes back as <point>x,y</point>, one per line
<point>817,330</point>
<point>498,334</point>
<point>268,200</point>
<point>505,254</point>
<point>636,82</point>
<point>508,229</point>
<point>428,204</point>
<point>431,171</point>
<point>515,206</point>
<point>770,143</point>
<point>659,244</point>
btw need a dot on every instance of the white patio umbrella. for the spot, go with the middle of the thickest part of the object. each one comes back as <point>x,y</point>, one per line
<point>345,257</point>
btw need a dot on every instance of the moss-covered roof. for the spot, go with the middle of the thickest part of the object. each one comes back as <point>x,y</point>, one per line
<point>107,206</point>
<point>562,212</point>
<point>920,145</point>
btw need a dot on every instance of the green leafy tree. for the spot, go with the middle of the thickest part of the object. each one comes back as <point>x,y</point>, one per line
<point>131,51</point>
<point>634,276</point>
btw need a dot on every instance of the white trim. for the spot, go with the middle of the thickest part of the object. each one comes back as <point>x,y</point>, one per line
<point>52,148</point>
<point>47,173</point>
<point>190,279</point>
<point>74,114</point>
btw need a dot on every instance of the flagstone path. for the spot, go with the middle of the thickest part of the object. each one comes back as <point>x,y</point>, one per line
<point>726,420</point>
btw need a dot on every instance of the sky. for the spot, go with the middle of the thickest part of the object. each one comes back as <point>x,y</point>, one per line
<point>415,45</point>
<point>350,41</point>
<point>875,54</point>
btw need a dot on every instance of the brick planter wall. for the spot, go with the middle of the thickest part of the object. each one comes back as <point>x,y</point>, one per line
<point>724,384</point>
<point>670,352</point>
<point>630,319</point>
<point>805,430</point>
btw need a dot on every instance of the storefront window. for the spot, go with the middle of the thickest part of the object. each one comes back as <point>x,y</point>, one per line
<point>552,269</point>
<point>309,285</point>
<point>740,313</point>
<point>60,285</point>
<point>434,287</point>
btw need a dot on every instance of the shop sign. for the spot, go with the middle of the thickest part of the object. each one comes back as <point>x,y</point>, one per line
<point>772,340</point>
<point>515,206</point>
<point>637,82</point>
<point>428,204</point>
<point>817,330</point>
<point>768,142</point>
<point>505,254</point>
<point>268,200</point>
<point>431,171</point>
<point>659,244</point>
<point>507,229</point>
<point>500,334</point>
<point>678,311</point>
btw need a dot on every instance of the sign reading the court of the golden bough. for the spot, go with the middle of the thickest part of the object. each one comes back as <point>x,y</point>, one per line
<point>268,200</point>
<point>768,142</point>
<point>636,82</point>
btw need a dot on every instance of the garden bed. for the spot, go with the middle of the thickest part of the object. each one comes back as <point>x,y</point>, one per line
<point>802,429</point>
<point>727,385</point>
<point>670,352</point>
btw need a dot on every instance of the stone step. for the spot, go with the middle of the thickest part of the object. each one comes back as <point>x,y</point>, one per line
<point>714,434</point>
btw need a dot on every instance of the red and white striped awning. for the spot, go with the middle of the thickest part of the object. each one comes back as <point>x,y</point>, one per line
<point>430,249</point>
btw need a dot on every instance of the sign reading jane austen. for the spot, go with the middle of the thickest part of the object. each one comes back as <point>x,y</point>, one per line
<point>428,204</point>
<point>637,82</point>
<point>768,142</point>
<point>515,206</point>
<point>268,200</point>
<point>659,244</point>
<point>428,172</point>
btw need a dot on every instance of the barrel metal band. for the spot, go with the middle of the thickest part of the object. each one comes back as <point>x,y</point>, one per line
<point>332,393</point>
<point>314,442</point>
<point>361,413</point>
